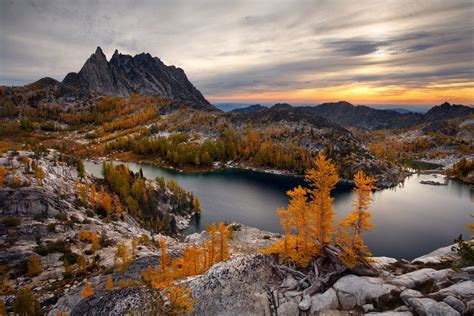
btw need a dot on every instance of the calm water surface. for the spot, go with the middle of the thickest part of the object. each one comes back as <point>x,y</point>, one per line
<point>411,219</point>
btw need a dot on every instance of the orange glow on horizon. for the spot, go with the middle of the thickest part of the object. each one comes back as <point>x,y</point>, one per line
<point>431,94</point>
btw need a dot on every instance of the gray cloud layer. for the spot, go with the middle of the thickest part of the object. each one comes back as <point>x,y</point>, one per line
<point>232,47</point>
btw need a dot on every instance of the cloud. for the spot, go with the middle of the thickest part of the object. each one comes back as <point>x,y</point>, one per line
<point>236,47</point>
<point>357,47</point>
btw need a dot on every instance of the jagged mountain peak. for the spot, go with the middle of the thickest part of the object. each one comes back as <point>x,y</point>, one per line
<point>447,111</point>
<point>124,75</point>
<point>99,51</point>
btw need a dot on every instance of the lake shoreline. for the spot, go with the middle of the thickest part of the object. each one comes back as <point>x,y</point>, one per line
<point>231,165</point>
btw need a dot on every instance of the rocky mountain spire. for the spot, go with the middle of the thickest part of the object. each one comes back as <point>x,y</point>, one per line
<point>124,75</point>
<point>97,75</point>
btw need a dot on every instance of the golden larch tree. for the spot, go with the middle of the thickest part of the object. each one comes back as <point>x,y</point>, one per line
<point>93,195</point>
<point>106,202</point>
<point>82,263</point>
<point>87,290</point>
<point>3,308</point>
<point>39,174</point>
<point>94,239</point>
<point>110,283</point>
<point>134,244</point>
<point>122,256</point>
<point>34,266</point>
<point>180,300</point>
<point>223,242</point>
<point>298,243</point>
<point>301,223</point>
<point>117,206</point>
<point>353,226</point>
<point>3,174</point>
<point>83,194</point>
<point>194,260</point>
<point>322,180</point>
<point>308,221</point>
<point>164,260</point>
<point>212,230</point>
<point>196,264</point>
<point>122,284</point>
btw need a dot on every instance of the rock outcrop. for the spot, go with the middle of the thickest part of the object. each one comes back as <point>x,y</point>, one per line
<point>129,301</point>
<point>355,291</point>
<point>235,287</point>
<point>31,202</point>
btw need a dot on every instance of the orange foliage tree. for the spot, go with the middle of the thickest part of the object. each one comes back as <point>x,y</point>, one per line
<point>122,257</point>
<point>195,260</point>
<point>3,173</point>
<point>110,283</point>
<point>356,223</point>
<point>39,174</point>
<point>118,206</point>
<point>308,221</point>
<point>34,266</point>
<point>88,290</point>
<point>163,278</point>
<point>298,244</point>
<point>92,237</point>
<point>105,201</point>
<point>322,180</point>
<point>224,234</point>
<point>93,195</point>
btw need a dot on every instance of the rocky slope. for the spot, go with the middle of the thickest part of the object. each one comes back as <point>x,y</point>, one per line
<point>41,216</point>
<point>249,284</point>
<point>123,75</point>
<point>315,133</point>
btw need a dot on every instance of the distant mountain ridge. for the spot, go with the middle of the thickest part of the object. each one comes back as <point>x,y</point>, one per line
<point>249,109</point>
<point>402,110</point>
<point>124,75</point>
<point>361,116</point>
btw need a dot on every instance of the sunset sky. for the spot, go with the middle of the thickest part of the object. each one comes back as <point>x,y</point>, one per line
<point>365,52</point>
